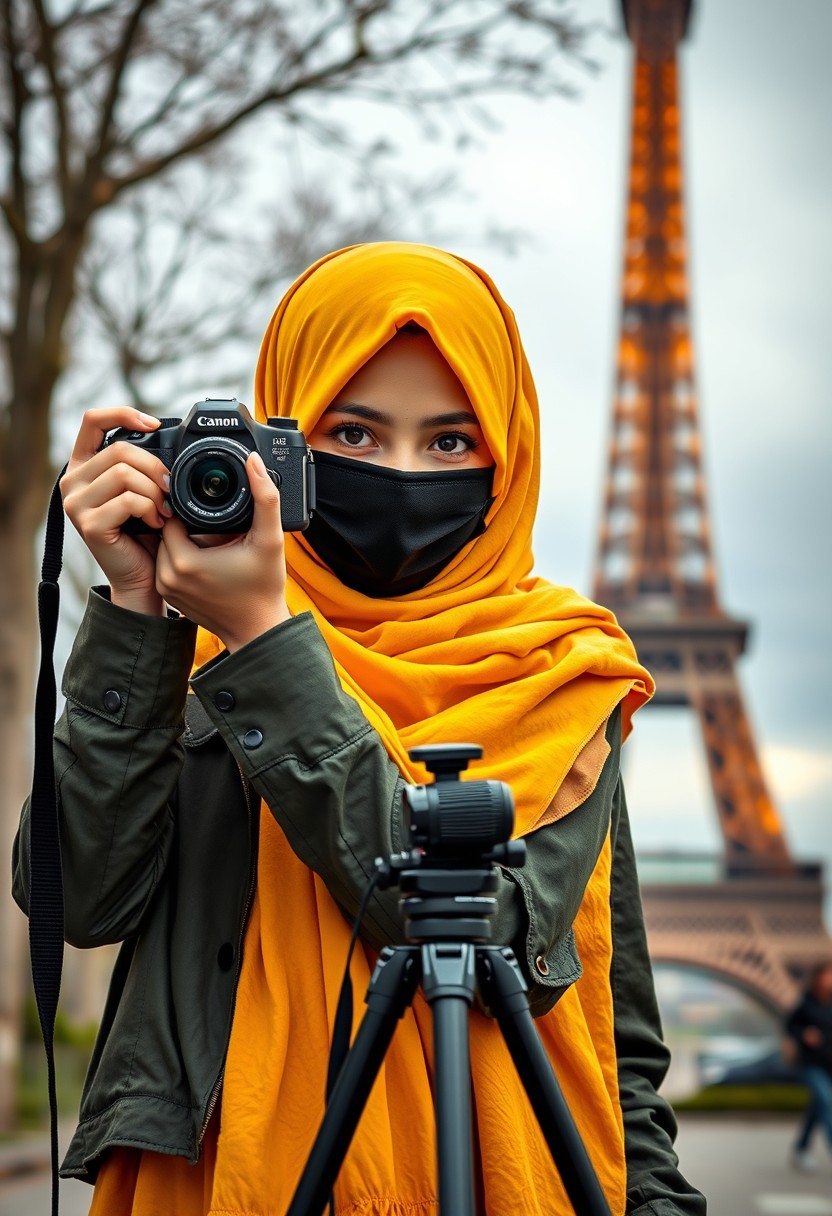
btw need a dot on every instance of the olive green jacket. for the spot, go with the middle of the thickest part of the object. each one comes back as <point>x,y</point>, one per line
<point>160,794</point>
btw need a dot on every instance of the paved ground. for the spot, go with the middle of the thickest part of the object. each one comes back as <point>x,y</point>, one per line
<point>740,1164</point>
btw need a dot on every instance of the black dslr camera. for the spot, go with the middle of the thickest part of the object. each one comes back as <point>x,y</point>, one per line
<point>206,454</point>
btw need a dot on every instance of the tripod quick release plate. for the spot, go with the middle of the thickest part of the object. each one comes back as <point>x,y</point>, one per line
<point>446,760</point>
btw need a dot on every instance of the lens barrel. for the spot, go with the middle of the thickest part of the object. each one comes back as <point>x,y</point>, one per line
<point>209,485</point>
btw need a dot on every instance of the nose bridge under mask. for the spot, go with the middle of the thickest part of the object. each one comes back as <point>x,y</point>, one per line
<point>385,531</point>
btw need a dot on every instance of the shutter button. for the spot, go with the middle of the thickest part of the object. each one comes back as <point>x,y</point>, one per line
<point>252,739</point>
<point>112,701</point>
<point>225,700</point>
<point>542,965</point>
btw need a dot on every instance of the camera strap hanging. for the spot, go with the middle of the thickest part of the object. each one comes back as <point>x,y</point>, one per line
<point>46,890</point>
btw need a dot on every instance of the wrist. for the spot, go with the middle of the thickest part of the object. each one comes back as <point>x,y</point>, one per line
<point>247,630</point>
<point>149,603</point>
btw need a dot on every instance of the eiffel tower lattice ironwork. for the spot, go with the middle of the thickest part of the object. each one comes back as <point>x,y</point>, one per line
<point>655,565</point>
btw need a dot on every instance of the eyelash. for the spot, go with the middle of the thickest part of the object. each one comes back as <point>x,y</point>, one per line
<point>337,432</point>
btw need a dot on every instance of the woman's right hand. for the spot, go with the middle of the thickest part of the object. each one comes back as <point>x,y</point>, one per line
<point>101,490</point>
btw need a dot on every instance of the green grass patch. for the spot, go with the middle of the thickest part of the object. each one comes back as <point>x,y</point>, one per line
<point>773,1097</point>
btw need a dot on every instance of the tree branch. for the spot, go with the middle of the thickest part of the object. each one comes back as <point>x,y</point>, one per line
<point>47,47</point>
<point>15,206</point>
<point>101,142</point>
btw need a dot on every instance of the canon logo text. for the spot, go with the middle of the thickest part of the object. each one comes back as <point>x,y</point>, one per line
<point>221,420</point>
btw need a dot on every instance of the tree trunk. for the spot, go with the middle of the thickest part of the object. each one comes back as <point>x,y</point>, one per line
<point>18,658</point>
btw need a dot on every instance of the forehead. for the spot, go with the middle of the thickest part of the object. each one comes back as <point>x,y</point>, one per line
<point>407,374</point>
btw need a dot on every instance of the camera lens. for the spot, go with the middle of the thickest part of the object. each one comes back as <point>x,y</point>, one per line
<point>209,488</point>
<point>212,484</point>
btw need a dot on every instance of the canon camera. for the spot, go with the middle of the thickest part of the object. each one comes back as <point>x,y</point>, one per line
<point>206,454</point>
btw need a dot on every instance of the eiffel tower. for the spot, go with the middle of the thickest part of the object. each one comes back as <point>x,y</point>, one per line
<point>760,924</point>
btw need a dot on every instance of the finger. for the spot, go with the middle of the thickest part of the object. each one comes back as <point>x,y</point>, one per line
<point>83,474</point>
<point>96,423</point>
<point>125,476</point>
<point>104,523</point>
<point>215,540</point>
<point>176,542</point>
<point>266,526</point>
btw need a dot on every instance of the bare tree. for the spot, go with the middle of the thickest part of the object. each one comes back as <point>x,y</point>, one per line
<point>151,126</point>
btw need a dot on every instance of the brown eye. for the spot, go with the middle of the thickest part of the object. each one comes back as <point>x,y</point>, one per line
<point>454,445</point>
<point>351,435</point>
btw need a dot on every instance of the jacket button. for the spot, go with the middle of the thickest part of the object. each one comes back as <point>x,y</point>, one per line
<point>252,739</point>
<point>225,956</point>
<point>112,701</point>
<point>541,965</point>
<point>225,700</point>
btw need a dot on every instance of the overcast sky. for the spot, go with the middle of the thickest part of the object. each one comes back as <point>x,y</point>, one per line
<point>757,108</point>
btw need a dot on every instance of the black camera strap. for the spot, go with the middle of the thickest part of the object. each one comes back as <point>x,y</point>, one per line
<point>46,889</point>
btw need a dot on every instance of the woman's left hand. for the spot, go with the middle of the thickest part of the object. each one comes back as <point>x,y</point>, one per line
<point>234,586</point>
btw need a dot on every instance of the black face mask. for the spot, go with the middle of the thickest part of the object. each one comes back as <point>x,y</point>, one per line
<point>384,532</point>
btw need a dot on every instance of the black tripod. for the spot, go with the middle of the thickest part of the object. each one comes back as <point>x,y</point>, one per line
<point>447,911</point>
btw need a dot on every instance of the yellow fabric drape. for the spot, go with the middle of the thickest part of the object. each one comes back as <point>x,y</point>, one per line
<point>484,653</point>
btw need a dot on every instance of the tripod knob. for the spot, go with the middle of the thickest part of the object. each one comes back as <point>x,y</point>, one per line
<point>446,760</point>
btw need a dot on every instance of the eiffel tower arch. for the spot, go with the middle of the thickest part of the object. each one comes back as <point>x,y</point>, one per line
<point>760,922</point>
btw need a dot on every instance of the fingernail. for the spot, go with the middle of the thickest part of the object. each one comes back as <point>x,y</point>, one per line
<point>166,507</point>
<point>257,463</point>
<point>148,418</point>
<point>166,480</point>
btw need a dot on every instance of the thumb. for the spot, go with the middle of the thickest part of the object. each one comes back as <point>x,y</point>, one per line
<point>266,523</point>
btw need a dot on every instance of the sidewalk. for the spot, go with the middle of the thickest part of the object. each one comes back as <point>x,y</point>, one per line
<point>741,1163</point>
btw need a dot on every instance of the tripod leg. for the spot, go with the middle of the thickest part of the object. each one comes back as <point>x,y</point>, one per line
<point>504,991</point>
<point>391,990</point>
<point>448,982</point>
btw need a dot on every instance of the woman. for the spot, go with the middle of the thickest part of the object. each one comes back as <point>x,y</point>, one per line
<point>229,855</point>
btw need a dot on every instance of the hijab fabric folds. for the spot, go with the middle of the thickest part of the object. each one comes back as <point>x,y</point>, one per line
<point>485,653</point>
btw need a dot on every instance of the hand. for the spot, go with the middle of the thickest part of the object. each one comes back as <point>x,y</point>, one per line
<point>101,490</point>
<point>233,586</point>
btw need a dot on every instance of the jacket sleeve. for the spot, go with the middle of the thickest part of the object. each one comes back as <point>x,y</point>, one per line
<point>655,1187</point>
<point>328,780</point>
<point>118,757</point>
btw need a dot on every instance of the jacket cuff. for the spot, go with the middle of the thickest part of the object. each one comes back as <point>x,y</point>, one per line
<point>287,668</point>
<point>128,668</point>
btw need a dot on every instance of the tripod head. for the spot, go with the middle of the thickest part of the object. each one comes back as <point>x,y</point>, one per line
<point>458,831</point>
<point>460,822</point>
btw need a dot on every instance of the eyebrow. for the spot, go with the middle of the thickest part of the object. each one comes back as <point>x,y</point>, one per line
<point>355,410</point>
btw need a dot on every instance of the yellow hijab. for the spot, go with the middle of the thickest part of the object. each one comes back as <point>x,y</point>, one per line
<point>484,653</point>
